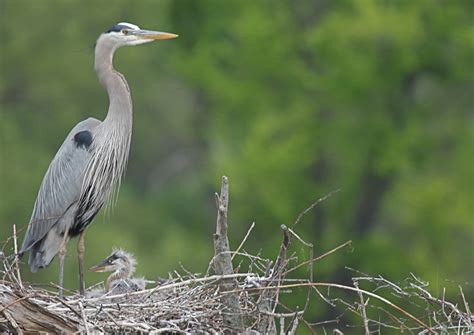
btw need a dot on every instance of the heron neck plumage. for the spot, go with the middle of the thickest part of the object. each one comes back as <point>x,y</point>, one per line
<point>120,101</point>
<point>111,139</point>
<point>122,273</point>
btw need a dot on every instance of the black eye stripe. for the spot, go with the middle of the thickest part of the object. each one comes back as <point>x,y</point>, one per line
<point>118,27</point>
<point>112,258</point>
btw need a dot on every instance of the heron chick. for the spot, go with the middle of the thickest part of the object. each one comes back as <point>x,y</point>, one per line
<point>122,265</point>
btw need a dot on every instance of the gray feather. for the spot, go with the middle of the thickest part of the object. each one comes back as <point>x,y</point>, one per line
<point>57,198</point>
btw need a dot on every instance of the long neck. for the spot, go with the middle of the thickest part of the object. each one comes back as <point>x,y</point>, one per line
<point>119,274</point>
<point>112,138</point>
<point>120,106</point>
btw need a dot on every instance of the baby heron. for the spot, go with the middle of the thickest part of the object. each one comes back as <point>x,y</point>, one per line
<point>122,265</point>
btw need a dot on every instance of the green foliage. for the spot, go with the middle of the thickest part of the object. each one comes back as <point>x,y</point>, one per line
<point>290,99</point>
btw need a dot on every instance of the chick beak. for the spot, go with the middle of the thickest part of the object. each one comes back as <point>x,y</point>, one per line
<point>99,267</point>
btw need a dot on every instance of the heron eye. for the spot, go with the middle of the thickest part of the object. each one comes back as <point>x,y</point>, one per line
<point>125,31</point>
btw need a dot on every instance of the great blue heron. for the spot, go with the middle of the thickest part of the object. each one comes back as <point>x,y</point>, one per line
<point>122,264</point>
<point>88,167</point>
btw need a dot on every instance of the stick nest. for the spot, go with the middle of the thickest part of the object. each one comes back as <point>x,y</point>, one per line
<point>183,303</point>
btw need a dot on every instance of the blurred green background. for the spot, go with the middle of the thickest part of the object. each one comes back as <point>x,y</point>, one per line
<point>290,99</point>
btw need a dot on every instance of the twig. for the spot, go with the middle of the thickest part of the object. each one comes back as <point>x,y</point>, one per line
<point>267,301</point>
<point>362,306</point>
<point>313,205</point>
<point>169,330</point>
<point>13,323</point>
<point>111,318</point>
<point>59,287</point>
<point>310,245</point>
<point>310,265</point>
<point>70,307</point>
<point>16,256</point>
<point>4,308</point>
<point>319,257</point>
<point>243,241</point>
<point>466,306</point>
<point>292,331</point>
<point>86,325</point>
<point>284,315</point>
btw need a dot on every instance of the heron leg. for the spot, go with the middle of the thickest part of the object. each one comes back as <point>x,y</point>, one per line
<point>80,255</point>
<point>62,255</point>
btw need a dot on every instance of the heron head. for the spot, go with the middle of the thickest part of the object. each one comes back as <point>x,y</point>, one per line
<point>119,260</point>
<point>124,33</point>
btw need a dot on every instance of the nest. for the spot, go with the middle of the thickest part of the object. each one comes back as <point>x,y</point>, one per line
<point>226,299</point>
<point>183,303</point>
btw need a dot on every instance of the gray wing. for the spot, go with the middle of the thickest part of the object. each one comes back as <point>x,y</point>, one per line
<point>61,186</point>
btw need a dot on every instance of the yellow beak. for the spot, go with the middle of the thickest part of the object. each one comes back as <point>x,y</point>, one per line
<point>152,35</point>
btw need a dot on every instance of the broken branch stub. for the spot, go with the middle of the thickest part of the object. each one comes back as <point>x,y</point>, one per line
<point>268,298</point>
<point>222,263</point>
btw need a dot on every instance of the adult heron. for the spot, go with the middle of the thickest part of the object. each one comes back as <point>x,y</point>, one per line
<point>88,167</point>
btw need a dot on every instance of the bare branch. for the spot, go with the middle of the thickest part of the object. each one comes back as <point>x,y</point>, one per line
<point>223,262</point>
<point>362,307</point>
<point>243,241</point>
<point>267,300</point>
<point>17,266</point>
<point>303,213</point>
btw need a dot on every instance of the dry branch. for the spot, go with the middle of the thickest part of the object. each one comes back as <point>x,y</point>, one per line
<point>268,297</point>
<point>30,317</point>
<point>223,262</point>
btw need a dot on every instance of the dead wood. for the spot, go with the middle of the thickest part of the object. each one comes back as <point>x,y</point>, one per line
<point>222,262</point>
<point>267,301</point>
<point>26,316</point>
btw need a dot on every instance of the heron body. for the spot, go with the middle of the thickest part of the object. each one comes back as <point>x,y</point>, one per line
<point>60,205</point>
<point>87,169</point>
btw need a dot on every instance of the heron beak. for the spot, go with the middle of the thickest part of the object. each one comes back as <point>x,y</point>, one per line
<point>152,35</point>
<point>99,267</point>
